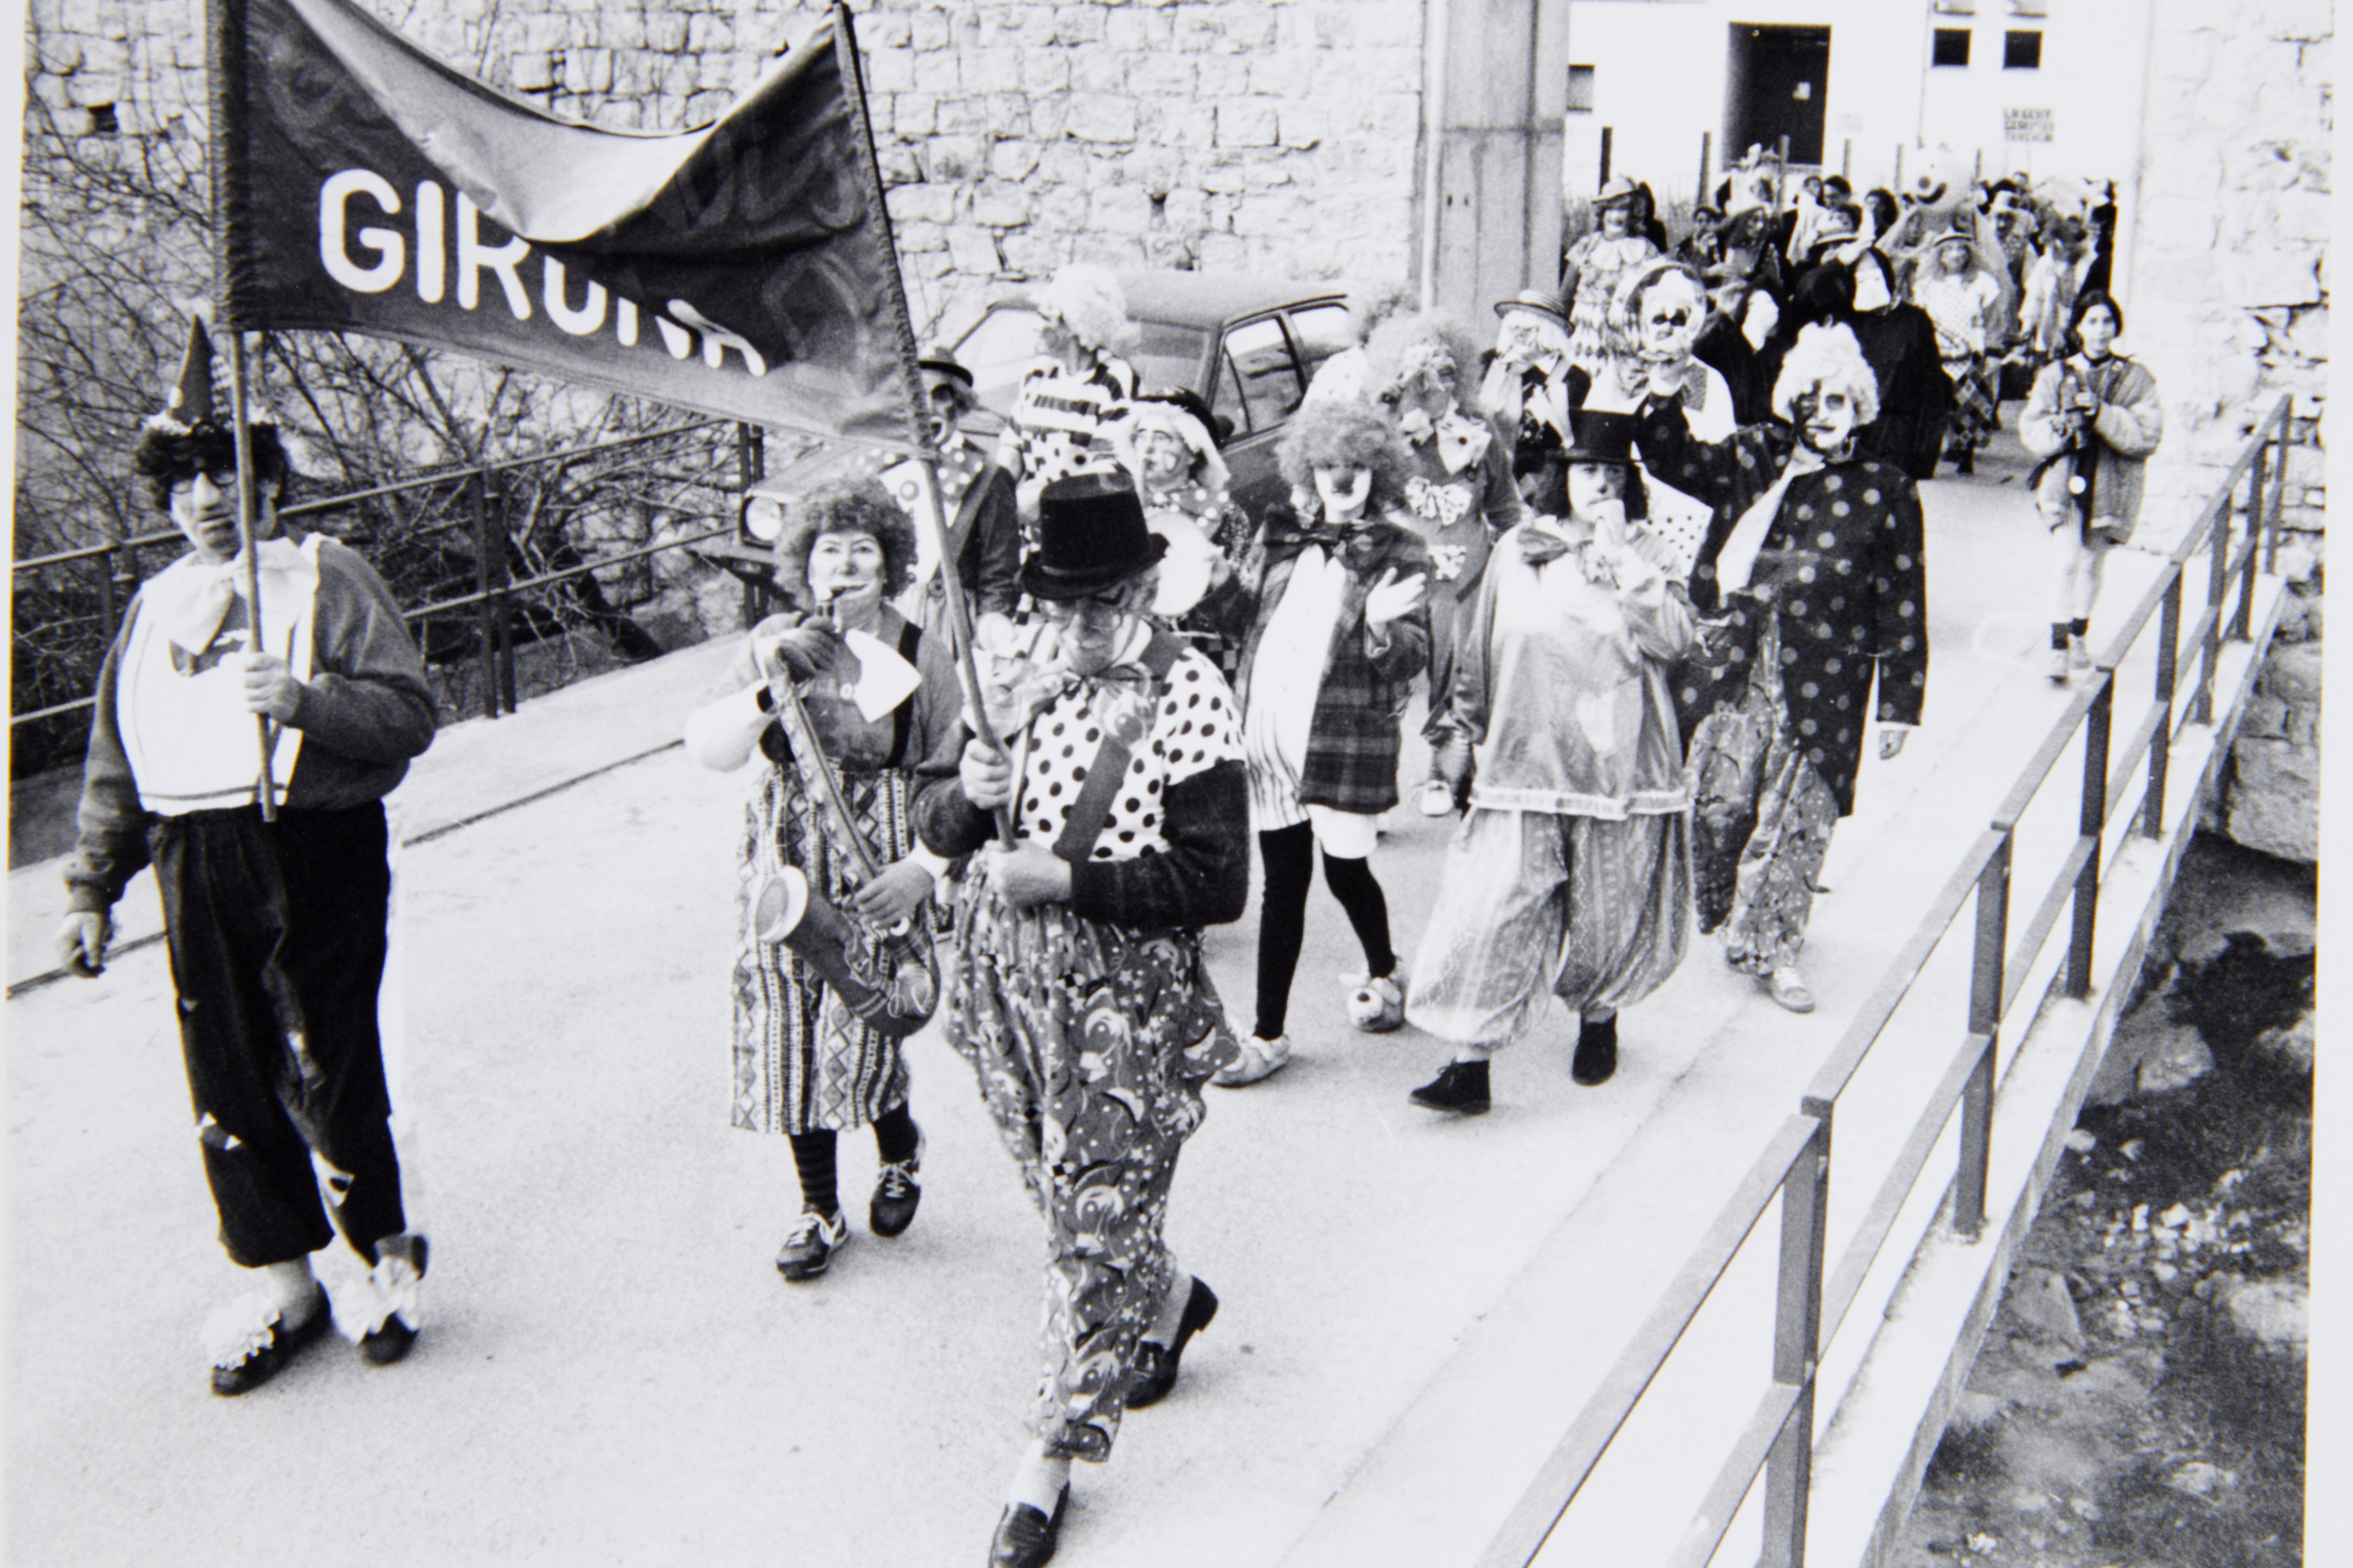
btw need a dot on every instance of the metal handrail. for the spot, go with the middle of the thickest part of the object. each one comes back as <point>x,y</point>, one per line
<point>494,591</point>
<point>1778,1438</point>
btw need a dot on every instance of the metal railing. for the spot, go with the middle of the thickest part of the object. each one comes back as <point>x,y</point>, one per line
<point>2238,535</point>
<point>729,462</point>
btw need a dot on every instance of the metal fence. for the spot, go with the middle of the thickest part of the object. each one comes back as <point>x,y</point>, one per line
<point>487,557</point>
<point>2237,534</point>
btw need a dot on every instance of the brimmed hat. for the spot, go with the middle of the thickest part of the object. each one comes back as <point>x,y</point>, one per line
<point>1620,189</point>
<point>942,361</point>
<point>1602,437</point>
<point>1090,537</point>
<point>1537,300</point>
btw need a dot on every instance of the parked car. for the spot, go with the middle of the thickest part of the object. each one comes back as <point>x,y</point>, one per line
<point>1248,346</point>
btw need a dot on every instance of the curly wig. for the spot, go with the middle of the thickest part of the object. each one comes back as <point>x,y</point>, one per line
<point>849,506</point>
<point>1089,302</point>
<point>1827,356</point>
<point>168,453</point>
<point>1427,346</point>
<point>1624,332</point>
<point>1333,433</point>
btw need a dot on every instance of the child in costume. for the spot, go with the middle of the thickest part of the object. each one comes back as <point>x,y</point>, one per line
<point>1571,874</point>
<point>1169,445</point>
<point>276,928</point>
<point>805,1063</point>
<point>1077,989</point>
<point>1338,626</point>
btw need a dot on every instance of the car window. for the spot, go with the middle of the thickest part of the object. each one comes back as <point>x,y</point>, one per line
<point>1168,355</point>
<point>1261,362</point>
<point>1322,330</point>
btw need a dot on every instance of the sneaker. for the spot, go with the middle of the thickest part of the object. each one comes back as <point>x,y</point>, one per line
<point>2079,657</point>
<point>810,1244</point>
<point>250,1340</point>
<point>2060,663</point>
<point>1460,1088</point>
<point>1376,1003</point>
<point>896,1194</point>
<point>1260,1058</point>
<point>1437,798</point>
<point>1788,987</point>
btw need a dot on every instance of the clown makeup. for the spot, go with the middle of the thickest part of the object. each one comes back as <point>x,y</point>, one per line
<point>1056,342</point>
<point>846,569</point>
<point>1163,455</point>
<point>1523,335</point>
<point>2098,332</point>
<point>1344,492</point>
<point>1091,630</point>
<point>1591,484</point>
<point>1826,415</point>
<point>1614,220</point>
<point>1667,318</point>
<point>943,399</point>
<point>1953,255</point>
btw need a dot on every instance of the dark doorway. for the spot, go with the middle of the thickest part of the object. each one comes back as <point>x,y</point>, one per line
<point>1777,84</point>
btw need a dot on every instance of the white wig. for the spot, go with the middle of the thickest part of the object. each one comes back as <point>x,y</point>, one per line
<point>1089,302</point>
<point>1826,356</point>
<point>1159,414</point>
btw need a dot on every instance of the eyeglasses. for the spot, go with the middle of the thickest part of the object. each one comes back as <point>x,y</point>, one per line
<point>1094,610</point>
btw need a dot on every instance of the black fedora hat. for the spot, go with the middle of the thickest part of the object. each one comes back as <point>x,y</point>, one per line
<point>1602,437</point>
<point>1090,537</point>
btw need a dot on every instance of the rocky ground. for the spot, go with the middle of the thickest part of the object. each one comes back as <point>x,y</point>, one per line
<point>2140,1399</point>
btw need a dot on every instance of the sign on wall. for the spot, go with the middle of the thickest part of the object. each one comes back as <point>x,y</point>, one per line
<point>2026,125</point>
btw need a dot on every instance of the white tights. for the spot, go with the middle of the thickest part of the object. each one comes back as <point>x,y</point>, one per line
<point>2080,558</point>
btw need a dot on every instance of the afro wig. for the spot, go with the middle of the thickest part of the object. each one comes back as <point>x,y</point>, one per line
<point>857,506</point>
<point>168,454</point>
<point>1332,434</point>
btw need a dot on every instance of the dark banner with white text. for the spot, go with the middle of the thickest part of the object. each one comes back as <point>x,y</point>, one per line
<point>745,269</point>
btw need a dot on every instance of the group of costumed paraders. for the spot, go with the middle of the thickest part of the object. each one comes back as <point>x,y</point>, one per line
<point>1653,641</point>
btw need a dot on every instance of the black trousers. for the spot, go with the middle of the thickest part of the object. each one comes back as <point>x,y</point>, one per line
<point>277,937</point>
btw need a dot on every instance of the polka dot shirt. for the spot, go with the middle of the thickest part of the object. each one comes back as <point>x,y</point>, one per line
<point>1195,728</point>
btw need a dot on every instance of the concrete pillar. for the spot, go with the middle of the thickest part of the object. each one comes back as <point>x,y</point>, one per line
<point>1490,195</point>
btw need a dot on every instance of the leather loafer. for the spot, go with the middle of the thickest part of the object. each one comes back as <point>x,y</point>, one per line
<point>1156,1365</point>
<point>1460,1088</point>
<point>1596,1052</point>
<point>1026,1537</point>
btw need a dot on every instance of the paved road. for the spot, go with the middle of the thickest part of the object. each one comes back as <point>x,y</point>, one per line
<point>612,1371</point>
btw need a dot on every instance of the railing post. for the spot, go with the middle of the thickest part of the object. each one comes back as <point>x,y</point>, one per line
<point>2091,824</point>
<point>485,610</point>
<point>2161,745</point>
<point>2243,618</point>
<point>1797,1333</point>
<point>2282,429</point>
<point>1987,973</point>
<point>2201,706</point>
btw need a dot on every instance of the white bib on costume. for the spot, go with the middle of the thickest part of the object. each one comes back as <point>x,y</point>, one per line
<point>187,735</point>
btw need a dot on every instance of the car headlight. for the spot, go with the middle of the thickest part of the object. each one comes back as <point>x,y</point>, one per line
<point>763,517</point>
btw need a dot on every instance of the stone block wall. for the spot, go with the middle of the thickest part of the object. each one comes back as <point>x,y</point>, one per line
<point>2229,309</point>
<point>1280,136</point>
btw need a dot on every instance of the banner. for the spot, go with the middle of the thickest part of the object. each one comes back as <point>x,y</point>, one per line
<point>744,269</point>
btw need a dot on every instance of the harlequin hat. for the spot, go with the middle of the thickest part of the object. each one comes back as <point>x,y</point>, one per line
<point>1091,536</point>
<point>190,434</point>
<point>1535,300</point>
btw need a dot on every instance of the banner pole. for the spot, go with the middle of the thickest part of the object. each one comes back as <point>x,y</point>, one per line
<point>960,635</point>
<point>246,513</point>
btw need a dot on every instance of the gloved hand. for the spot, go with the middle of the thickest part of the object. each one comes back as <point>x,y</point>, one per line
<point>800,652</point>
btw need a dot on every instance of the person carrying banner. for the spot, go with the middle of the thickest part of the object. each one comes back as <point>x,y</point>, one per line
<point>276,928</point>
<point>882,702</point>
<point>1077,989</point>
<point>1069,400</point>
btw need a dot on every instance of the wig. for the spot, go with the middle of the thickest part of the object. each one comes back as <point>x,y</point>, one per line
<point>169,453</point>
<point>1428,349</point>
<point>1338,435</point>
<point>1376,303</point>
<point>850,506</point>
<point>1827,356</point>
<point>1163,414</point>
<point>1624,337</point>
<point>1089,302</point>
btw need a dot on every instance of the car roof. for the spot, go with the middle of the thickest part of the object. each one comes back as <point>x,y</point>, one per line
<point>1208,299</point>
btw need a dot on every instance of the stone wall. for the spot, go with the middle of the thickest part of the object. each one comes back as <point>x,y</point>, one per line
<point>2230,307</point>
<point>1279,136</point>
